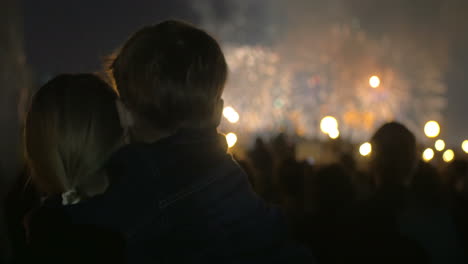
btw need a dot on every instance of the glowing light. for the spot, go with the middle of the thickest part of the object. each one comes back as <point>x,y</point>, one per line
<point>432,129</point>
<point>439,145</point>
<point>365,149</point>
<point>231,139</point>
<point>328,124</point>
<point>230,114</point>
<point>334,134</point>
<point>374,81</point>
<point>277,83</point>
<point>428,155</point>
<point>465,146</point>
<point>449,155</point>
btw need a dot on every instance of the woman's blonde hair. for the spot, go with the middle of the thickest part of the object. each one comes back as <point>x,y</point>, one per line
<point>71,129</point>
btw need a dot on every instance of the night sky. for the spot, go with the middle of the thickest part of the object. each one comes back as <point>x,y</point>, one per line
<point>74,36</point>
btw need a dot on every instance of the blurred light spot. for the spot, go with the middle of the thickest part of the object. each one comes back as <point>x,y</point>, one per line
<point>328,124</point>
<point>230,114</point>
<point>465,146</point>
<point>374,81</point>
<point>432,129</point>
<point>439,145</point>
<point>334,134</point>
<point>365,149</point>
<point>449,155</point>
<point>231,139</point>
<point>428,155</point>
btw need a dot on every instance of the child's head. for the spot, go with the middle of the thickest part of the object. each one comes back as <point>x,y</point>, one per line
<point>71,130</point>
<point>171,75</point>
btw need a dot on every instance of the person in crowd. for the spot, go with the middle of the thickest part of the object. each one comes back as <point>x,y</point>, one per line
<point>291,187</point>
<point>332,194</point>
<point>332,190</point>
<point>284,154</point>
<point>283,148</point>
<point>457,175</point>
<point>427,184</point>
<point>72,129</point>
<point>392,226</point>
<point>362,183</point>
<point>262,169</point>
<point>178,196</point>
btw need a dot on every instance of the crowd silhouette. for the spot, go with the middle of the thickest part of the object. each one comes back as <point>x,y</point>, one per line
<point>399,210</point>
<point>148,179</point>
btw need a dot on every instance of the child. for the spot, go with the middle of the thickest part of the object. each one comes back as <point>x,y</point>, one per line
<point>186,200</point>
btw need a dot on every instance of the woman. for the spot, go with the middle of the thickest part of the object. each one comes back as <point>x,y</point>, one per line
<point>72,128</point>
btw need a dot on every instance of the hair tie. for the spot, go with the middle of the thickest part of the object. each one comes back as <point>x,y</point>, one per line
<point>70,197</point>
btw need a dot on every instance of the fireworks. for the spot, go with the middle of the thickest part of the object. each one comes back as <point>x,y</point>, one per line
<point>292,85</point>
<point>258,88</point>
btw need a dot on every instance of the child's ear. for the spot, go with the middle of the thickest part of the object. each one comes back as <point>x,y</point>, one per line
<point>125,115</point>
<point>218,113</point>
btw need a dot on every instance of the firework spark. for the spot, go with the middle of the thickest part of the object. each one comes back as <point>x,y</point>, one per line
<point>273,90</point>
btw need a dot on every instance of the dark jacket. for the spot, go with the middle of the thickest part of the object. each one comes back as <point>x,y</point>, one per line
<point>53,238</point>
<point>185,200</point>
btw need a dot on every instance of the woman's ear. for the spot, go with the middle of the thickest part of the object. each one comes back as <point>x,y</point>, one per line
<point>125,115</point>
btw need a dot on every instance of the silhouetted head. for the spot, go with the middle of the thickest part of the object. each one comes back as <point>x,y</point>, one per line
<point>283,148</point>
<point>458,177</point>
<point>393,158</point>
<point>170,75</point>
<point>72,128</point>
<point>259,143</point>
<point>260,155</point>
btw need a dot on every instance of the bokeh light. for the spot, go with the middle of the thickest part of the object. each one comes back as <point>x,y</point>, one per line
<point>328,124</point>
<point>432,129</point>
<point>465,146</point>
<point>428,155</point>
<point>231,139</point>
<point>365,149</point>
<point>230,114</point>
<point>374,81</point>
<point>334,134</point>
<point>293,81</point>
<point>449,155</point>
<point>293,91</point>
<point>439,145</point>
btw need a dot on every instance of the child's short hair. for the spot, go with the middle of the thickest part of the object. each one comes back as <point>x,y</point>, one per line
<point>171,74</point>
